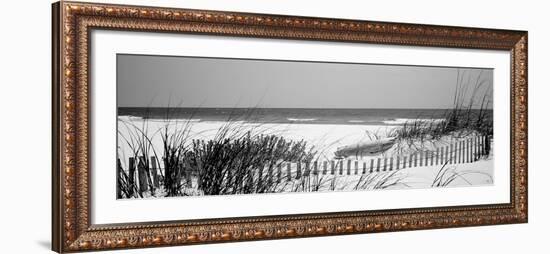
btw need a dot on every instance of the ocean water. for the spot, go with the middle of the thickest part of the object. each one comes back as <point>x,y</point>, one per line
<point>289,115</point>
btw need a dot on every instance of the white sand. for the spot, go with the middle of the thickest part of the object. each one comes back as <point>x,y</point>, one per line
<point>326,138</point>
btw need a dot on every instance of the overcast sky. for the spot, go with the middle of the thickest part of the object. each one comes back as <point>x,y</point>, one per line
<point>154,81</point>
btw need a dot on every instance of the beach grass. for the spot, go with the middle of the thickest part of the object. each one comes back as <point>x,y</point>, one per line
<point>471,113</point>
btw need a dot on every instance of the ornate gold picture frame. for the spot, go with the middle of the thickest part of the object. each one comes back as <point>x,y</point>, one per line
<point>72,229</point>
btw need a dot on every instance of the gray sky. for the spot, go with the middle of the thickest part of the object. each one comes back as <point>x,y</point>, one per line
<point>153,81</point>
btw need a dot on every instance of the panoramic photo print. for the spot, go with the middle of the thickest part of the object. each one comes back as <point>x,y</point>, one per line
<point>199,126</point>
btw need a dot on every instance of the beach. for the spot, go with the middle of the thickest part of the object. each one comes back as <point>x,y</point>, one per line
<point>325,139</point>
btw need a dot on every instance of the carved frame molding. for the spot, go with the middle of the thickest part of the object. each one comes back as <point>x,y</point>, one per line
<point>71,226</point>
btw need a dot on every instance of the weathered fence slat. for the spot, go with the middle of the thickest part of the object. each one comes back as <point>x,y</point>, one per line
<point>371,165</point>
<point>483,145</point>
<point>397,162</point>
<point>469,150</point>
<point>426,157</point>
<point>463,151</point>
<point>298,170</point>
<point>132,174</point>
<point>315,170</point>
<point>447,154</point>
<point>142,175</point>
<point>459,152</point>
<point>288,172</point>
<point>437,156</point>
<point>455,153</point>
<point>405,162</point>
<point>451,153</point>
<point>154,171</point>
<point>307,169</point>
<point>119,176</point>
<point>475,149</point>
<point>478,148</point>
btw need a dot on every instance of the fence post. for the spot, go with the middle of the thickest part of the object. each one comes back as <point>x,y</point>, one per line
<point>385,163</point>
<point>325,167</point>
<point>450,159</point>
<point>341,167</point>
<point>472,151</point>
<point>315,170</point>
<point>356,167</point>
<point>397,162</point>
<point>332,167</point>
<point>478,147</point>
<point>154,171</point>
<point>416,159</point>
<point>349,168</point>
<point>391,164</point>
<point>307,169</point>
<point>455,153</point>
<point>443,156</point>
<point>426,155</point>
<point>405,162</point>
<point>459,151</point>
<point>371,165</point>
<point>119,176</point>
<point>463,151</point>
<point>421,159</point>
<point>288,172</point>
<point>482,145</point>
<point>142,175</point>
<point>378,165</point>
<point>487,145</point>
<point>447,156</point>
<point>468,151</point>
<point>298,170</point>
<point>437,156</point>
<point>364,167</point>
<point>475,149</point>
<point>132,175</point>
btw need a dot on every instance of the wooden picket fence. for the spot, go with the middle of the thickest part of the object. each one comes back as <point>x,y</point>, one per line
<point>456,152</point>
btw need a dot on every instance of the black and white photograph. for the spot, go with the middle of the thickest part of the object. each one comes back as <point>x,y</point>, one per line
<point>199,126</point>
